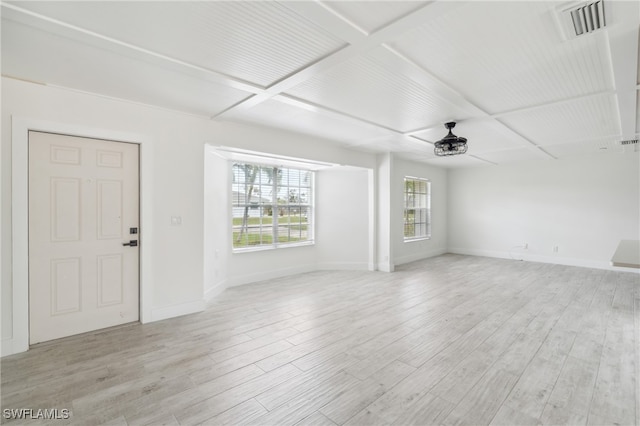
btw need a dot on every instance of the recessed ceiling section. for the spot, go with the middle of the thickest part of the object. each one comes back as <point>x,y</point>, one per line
<point>414,157</point>
<point>316,123</point>
<point>364,88</point>
<point>397,144</point>
<point>60,61</point>
<point>514,155</point>
<point>584,119</point>
<point>372,15</point>
<point>457,161</point>
<point>483,135</point>
<point>509,55</point>
<point>258,42</point>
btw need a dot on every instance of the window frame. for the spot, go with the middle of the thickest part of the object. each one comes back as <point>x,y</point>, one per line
<point>275,244</point>
<point>427,209</point>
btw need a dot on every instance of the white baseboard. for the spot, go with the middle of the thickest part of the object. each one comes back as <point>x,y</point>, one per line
<point>269,275</point>
<point>419,256</point>
<point>158,314</point>
<point>215,290</point>
<point>386,267</point>
<point>343,266</point>
<point>524,256</point>
<point>12,346</point>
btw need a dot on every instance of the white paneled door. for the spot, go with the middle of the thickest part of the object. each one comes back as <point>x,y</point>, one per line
<point>83,208</point>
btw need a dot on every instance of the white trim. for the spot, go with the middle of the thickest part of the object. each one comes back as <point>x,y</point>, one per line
<point>427,195</point>
<point>567,261</point>
<point>172,311</point>
<point>20,127</point>
<point>272,246</point>
<point>386,267</point>
<point>419,256</point>
<point>373,237</point>
<point>268,275</point>
<point>7,347</point>
<point>343,266</point>
<point>275,244</point>
<point>414,239</point>
<point>212,292</point>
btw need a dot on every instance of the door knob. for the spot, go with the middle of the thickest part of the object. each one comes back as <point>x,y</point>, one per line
<point>132,243</point>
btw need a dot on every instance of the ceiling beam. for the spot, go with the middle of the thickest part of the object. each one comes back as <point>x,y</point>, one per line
<point>310,106</point>
<point>446,92</point>
<point>328,19</point>
<point>552,103</point>
<point>358,43</point>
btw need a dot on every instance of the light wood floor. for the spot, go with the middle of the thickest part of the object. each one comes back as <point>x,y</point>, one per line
<point>449,340</point>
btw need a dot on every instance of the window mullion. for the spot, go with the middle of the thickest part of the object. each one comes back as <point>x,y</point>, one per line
<point>275,210</point>
<point>297,228</point>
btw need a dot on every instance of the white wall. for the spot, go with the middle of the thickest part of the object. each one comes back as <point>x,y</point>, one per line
<point>384,224</point>
<point>404,252</point>
<point>216,202</point>
<point>182,177</point>
<point>173,167</point>
<point>583,206</point>
<point>343,218</point>
<point>230,269</point>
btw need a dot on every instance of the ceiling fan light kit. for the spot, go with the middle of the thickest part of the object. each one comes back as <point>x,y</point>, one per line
<point>450,144</point>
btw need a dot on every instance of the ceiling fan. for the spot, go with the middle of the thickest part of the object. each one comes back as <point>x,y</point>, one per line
<point>450,144</point>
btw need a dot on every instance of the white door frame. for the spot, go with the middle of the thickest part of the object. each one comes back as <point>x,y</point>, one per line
<point>20,128</point>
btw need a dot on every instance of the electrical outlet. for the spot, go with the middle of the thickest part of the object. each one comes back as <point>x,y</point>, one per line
<point>526,246</point>
<point>555,249</point>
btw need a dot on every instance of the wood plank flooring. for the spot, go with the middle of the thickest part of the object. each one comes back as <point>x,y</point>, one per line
<point>448,340</point>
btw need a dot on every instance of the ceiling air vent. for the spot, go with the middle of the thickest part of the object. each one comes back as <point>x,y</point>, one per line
<point>580,18</point>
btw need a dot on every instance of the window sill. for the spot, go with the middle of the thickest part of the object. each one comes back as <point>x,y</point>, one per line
<point>266,248</point>
<point>412,240</point>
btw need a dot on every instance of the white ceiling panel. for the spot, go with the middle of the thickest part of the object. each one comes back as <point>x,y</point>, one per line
<point>282,115</point>
<point>57,60</point>
<point>372,15</point>
<point>405,144</point>
<point>584,119</point>
<point>483,135</point>
<point>588,148</point>
<point>415,157</point>
<point>393,143</point>
<point>514,155</point>
<point>260,42</point>
<point>376,76</point>
<point>362,87</point>
<point>508,55</point>
<point>456,161</point>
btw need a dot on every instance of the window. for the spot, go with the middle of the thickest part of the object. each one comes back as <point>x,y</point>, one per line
<point>417,209</point>
<point>272,206</point>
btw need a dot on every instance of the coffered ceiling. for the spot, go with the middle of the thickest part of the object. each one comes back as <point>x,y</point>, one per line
<point>377,76</point>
